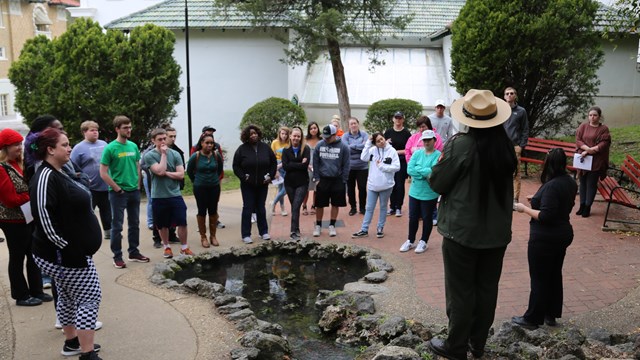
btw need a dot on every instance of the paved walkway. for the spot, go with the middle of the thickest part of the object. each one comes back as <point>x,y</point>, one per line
<point>600,267</point>
<point>143,321</point>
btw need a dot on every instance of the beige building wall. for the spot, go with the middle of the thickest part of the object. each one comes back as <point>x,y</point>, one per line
<point>19,24</point>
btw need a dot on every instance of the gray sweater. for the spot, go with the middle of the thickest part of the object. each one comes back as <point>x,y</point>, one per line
<point>331,160</point>
<point>517,127</point>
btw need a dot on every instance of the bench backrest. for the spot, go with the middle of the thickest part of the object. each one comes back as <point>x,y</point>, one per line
<point>631,168</point>
<point>552,144</point>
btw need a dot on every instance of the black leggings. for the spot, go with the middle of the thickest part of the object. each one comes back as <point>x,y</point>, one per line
<point>588,187</point>
<point>19,245</point>
<point>207,198</point>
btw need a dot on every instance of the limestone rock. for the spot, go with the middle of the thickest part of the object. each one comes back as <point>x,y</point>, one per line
<point>238,315</point>
<point>396,353</point>
<point>393,327</point>
<point>376,277</point>
<point>332,318</point>
<point>379,265</point>
<point>245,353</point>
<point>270,346</point>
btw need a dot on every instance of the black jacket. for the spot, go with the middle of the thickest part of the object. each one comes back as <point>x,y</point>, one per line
<point>251,163</point>
<point>297,172</point>
<point>65,223</point>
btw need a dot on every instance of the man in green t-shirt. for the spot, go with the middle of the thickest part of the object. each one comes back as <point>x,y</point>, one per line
<point>120,169</point>
<point>169,208</point>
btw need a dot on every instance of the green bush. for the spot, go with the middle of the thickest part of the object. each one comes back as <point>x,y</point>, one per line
<point>272,113</point>
<point>380,114</point>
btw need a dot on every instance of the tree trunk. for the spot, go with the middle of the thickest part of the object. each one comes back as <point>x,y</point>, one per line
<point>340,82</point>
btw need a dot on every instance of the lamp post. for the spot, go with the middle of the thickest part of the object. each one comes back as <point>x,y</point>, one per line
<point>186,40</point>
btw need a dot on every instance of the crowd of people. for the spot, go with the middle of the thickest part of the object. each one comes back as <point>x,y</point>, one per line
<point>463,180</point>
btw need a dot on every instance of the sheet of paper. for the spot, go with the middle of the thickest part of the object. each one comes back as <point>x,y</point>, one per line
<point>26,210</point>
<point>583,163</point>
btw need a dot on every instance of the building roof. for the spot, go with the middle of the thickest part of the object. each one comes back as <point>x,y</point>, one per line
<point>429,16</point>
<point>72,3</point>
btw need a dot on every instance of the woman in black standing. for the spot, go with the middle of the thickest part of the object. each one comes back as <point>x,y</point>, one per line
<point>398,136</point>
<point>549,236</point>
<point>295,161</point>
<point>66,236</point>
<point>255,165</point>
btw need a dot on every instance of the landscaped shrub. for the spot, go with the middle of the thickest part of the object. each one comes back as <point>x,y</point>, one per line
<point>272,113</point>
<point>380,114</point>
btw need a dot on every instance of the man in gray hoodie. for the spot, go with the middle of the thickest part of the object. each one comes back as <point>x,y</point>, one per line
<point>330,172</point>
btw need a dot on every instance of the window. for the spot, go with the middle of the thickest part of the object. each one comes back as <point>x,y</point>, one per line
<point>3,54</point>
<point>62,13</point>
<point>41,21</point>
<point>15,7</point>
<point>4,104</point>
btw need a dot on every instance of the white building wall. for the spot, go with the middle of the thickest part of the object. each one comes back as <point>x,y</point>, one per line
<point>619,95</point>
<point>230,72</point>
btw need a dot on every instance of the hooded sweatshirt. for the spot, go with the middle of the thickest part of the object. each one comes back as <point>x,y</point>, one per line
<point>331,160</point>
<point>380,173</point>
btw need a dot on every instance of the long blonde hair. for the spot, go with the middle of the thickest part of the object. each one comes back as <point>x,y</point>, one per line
<point>4,155</point>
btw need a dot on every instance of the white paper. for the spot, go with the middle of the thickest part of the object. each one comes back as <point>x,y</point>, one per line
<point>26,210</point>
<point>583,163</point>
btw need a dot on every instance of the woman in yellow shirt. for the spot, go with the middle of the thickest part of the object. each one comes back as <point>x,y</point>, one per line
<point>279,144</point>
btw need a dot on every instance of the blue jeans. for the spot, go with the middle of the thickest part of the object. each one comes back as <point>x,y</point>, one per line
<point>421,209</point>
<point>129,200</point>
<point>145,182</point>
<point>281,191</point>
<point>372,197</point>
<point>253,199</point>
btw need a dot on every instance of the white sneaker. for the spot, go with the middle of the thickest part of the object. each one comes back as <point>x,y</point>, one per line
<point>284,213</point>
<point>98,325</point>
<point>422,247</point>
<point>332,230</point>
<point>435,222</point>
<point>247,240</point>
<point>398,213</point>
<point>316,230</point>
<point>266,236</point>
<point>406,246</point>
<point>254,218</point>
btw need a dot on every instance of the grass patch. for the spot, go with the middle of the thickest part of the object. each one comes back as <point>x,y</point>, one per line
<point>624,140</point>
<point>230,182</point>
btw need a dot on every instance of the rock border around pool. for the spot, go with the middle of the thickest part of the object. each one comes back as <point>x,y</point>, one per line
<point>350,316</point>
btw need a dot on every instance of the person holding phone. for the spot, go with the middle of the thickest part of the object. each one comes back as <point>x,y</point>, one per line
<point>383,164</point>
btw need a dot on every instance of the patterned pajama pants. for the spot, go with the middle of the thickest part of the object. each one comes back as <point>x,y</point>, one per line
<point>79,293</point>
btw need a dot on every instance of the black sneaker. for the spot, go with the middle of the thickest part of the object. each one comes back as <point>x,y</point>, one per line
<point>294,236</point>
<point>380,233</point>
<point>90,356</point>
<point>360,234</point>
<point>72,347</point>
<point>157,244</point>
<point>352,211</point>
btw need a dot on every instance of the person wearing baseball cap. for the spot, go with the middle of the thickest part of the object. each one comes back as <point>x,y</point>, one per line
<point>331,172</point>
<point>14,192</point>
<point>398,136</point>
<point>442,123</point>
<point>474,177</point>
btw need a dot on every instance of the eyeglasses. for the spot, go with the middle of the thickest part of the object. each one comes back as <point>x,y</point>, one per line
<point>509,93</point>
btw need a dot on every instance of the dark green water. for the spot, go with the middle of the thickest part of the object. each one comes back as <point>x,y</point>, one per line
<point>282,288</point>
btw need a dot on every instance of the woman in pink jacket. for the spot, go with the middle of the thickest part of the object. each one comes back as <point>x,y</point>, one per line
<point>414,143</point>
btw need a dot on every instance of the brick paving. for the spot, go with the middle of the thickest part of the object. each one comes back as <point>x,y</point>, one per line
<point>600,267</point>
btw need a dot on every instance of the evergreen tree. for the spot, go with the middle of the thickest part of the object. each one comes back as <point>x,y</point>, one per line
<point>546,49</point>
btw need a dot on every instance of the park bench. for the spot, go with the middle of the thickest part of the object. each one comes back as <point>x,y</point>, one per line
<point>614,193</point>
<point>537,149</point>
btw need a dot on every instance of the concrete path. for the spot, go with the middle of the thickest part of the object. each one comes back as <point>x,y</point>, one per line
<point>142,321</point>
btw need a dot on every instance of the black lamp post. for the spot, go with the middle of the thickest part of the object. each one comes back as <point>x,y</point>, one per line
<point>186,39</point>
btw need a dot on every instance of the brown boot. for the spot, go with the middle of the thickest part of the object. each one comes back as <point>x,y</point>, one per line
<point>202,229</point>
<point>213,227</point>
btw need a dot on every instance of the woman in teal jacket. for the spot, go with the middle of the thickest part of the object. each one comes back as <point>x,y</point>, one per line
<point>422,199</point>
